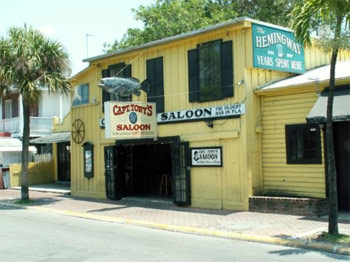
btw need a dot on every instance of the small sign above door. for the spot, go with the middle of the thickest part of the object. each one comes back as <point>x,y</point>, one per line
<point>206,156</point>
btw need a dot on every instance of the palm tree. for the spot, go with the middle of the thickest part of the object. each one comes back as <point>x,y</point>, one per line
<point>335,14</point>
<point>29,61</point>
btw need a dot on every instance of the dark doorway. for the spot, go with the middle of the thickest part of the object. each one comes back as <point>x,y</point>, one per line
<point>146,169</point>
<point>342,158</point>
<point>63,155</point>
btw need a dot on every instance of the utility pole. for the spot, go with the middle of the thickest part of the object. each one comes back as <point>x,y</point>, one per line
<point>87,44</point>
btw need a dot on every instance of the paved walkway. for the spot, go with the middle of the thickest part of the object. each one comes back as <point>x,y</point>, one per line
<point>261,227</point>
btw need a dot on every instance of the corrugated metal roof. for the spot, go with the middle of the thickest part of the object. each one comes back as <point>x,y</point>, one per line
<point>53,138</point>
<point>320,74</point>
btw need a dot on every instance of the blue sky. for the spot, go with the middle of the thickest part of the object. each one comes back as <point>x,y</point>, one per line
<point>68,21</point>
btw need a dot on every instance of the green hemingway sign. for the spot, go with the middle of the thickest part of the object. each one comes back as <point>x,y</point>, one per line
<point>277,50</point>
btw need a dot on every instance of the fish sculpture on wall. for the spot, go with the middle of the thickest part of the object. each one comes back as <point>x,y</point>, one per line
<point>124,86</point>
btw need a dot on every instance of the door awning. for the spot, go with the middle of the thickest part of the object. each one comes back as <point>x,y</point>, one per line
<point>53,138</point>
<point>341,106</point>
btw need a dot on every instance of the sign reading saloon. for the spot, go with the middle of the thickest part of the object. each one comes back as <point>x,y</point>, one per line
<point>198,114</point>
<point>210,156</point>
<point>277,50</point>
<point>127,120</point>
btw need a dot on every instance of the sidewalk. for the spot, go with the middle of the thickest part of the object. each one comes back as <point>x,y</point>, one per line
<point>258,227</point>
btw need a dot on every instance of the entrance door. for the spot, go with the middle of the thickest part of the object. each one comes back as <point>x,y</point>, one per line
<point>342,157</point>
<point>114,185</point>
<point>63,153</point>
<point>181,173</point>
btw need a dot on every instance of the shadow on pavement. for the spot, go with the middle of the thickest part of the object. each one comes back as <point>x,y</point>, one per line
<point>122,204</point>
<point>298,251</point>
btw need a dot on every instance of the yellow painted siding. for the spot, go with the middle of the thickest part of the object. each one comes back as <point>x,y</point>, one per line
<point>65,125</point>
<point>280,177</point>
<point>253,161</point>
<point>222,189</point>
<point>38,173</point>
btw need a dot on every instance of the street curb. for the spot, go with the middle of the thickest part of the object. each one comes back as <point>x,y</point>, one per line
<point>198,231</point>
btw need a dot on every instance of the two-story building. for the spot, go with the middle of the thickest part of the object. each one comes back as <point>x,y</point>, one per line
<point>50,109</point>
<point>200,134</point>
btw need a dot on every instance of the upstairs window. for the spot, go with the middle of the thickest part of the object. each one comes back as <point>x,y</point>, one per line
<point>116,70</point>
<point>210,71</point>
<point>303,144</point>
<point>81,95</point>
<point>156,80</point>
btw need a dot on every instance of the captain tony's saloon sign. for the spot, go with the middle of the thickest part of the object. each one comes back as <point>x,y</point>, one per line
<point>127,120</point>
<point>277,49</point>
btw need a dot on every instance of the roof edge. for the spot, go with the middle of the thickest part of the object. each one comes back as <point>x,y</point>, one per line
<point>185,35</point>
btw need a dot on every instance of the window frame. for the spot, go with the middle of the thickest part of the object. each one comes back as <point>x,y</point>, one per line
<point>212,89</point>
<point>80,88</point>
<point>88,165</point>
<point>226,78</point>
<point>289,130</point>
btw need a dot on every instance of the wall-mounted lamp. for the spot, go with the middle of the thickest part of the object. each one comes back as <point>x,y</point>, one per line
<point>209,123</point>
<point>240,82</point>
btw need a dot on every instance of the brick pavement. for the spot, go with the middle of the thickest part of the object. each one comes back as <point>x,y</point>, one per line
<point>258,224</point>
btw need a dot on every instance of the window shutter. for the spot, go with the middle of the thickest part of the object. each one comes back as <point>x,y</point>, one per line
<point>193,75</point>
<point>155,78</point>
<point>226,69</point>
<point>105,95</point>
<point>127,71</point>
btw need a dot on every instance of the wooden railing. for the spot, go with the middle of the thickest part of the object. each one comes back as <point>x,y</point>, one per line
<point>10,125</point>
<point>39,172</point>
<point>37,124</point>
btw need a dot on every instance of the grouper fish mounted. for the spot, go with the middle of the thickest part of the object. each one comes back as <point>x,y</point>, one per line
<point>124,86</point>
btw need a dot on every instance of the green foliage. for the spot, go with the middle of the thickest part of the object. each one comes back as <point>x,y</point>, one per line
<point>172,17</point>
<point>321,16</point>
<point>335,239</point>
<point>23,202</point>
<point>29,61</point>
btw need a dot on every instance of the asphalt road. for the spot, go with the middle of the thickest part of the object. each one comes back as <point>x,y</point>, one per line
<point>29,235</point>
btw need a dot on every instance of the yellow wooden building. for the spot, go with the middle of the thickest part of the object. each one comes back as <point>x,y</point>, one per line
<point>219,134</point>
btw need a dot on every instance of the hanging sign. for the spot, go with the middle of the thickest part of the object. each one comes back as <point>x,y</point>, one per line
<point>277,49</point>
<point>199,114</point>
<point>206,156</point>
<point>128,120</point>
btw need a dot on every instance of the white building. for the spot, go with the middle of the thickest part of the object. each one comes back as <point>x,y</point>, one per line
<point>50,108</point>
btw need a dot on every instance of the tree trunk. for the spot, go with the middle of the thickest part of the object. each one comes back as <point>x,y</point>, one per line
<point>331,168</point>
<point>25,150</point>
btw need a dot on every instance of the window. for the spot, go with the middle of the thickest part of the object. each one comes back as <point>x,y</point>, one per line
<point>117,70</point>
<point>88,160</point>
<point>210,71</point>
<point>303,144</point>
<point>8,109</point>
<point>155,78</point>
<point>81,95</point>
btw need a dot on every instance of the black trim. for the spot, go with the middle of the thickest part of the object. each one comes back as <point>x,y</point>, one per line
<point>289,136</point>
<point>155,76</point>
<point>148,141</point>
<point>198,120</point>
<point>88,146</point>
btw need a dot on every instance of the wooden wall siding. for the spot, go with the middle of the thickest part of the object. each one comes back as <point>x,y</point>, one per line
<point>41,172</point>
<point>298,180</point>
<point>242,174</point>
<point>65,125</point>
<point>227,192</point>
